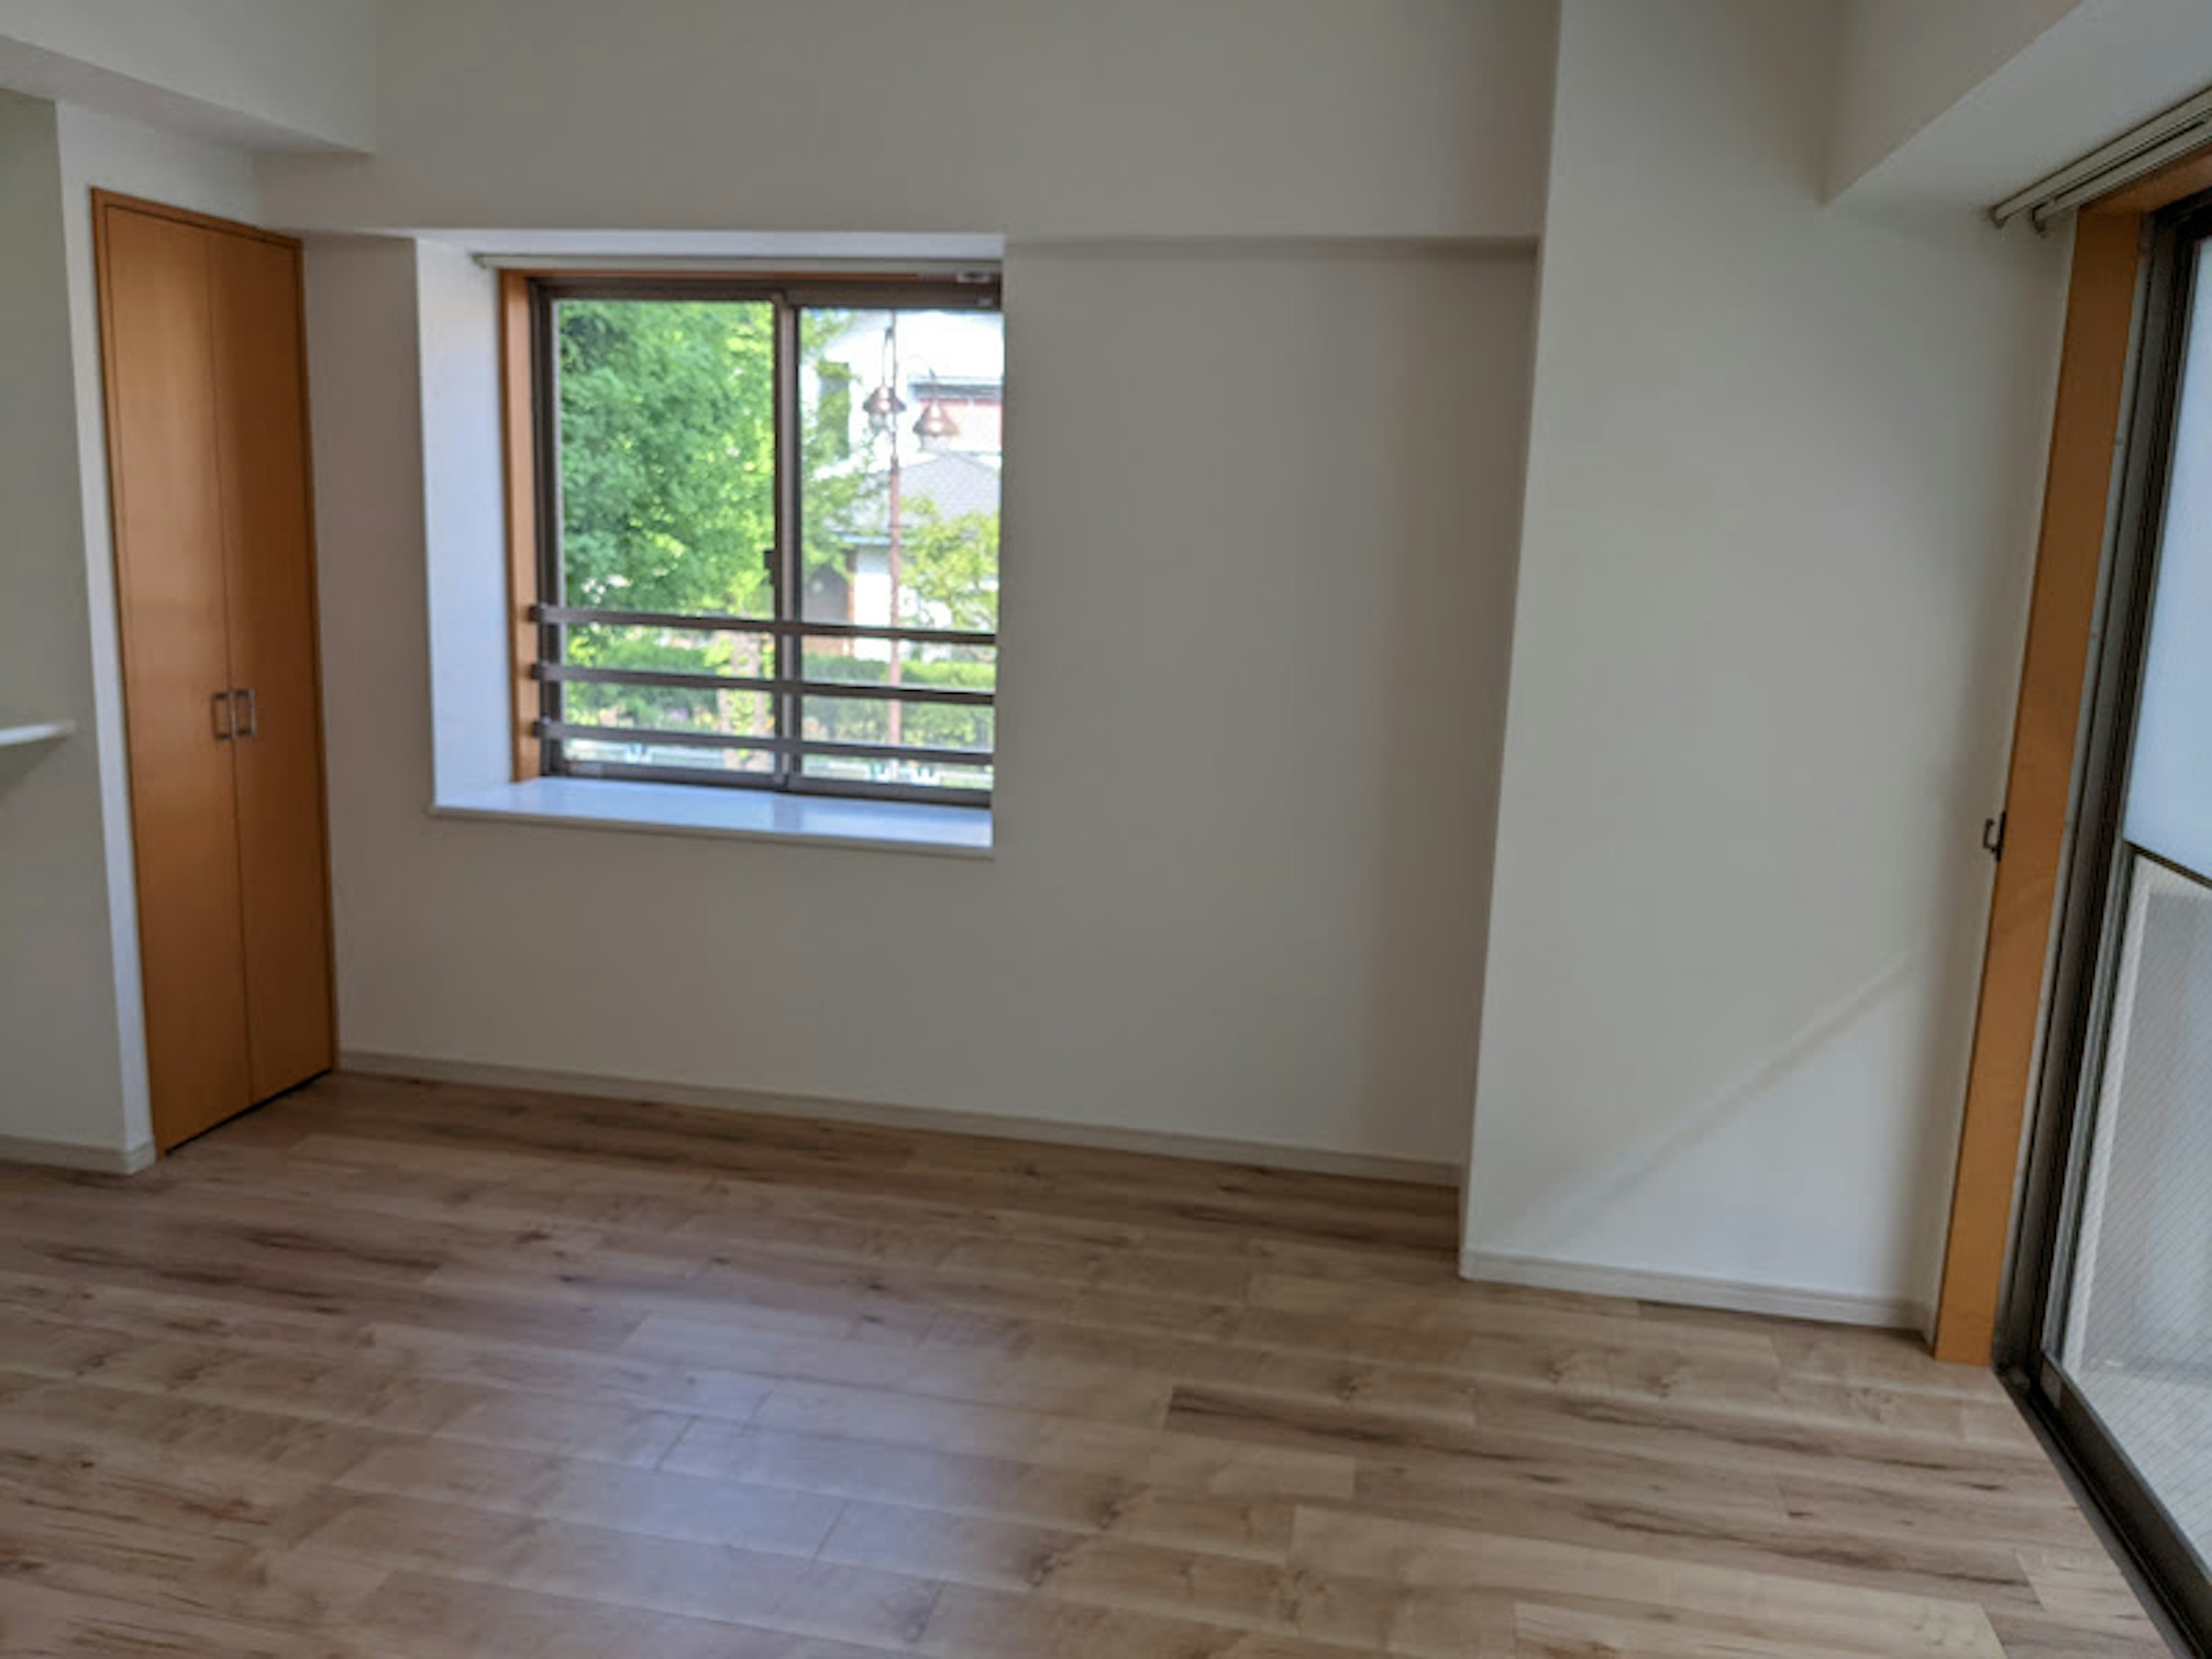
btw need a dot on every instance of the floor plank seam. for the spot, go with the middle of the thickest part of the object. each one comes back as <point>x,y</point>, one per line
<point>442,1371</point>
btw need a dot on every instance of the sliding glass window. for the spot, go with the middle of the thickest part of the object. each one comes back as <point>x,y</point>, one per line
<point>2111,1333</point>
<point>770,533</point>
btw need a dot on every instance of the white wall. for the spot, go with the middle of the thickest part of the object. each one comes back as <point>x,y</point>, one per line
<point>61,1077</point>
<point>1779,525</point>
<point>464,514</point>
<point>1207,118</point>
<point>286,74</point>
<point>72,1059</point>
<point>1260,518</point>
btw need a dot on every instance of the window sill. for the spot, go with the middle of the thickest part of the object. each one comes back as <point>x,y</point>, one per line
<point>675,809</point>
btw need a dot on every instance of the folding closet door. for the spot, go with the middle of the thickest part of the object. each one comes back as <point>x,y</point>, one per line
<point>261,427</point>
<point>165,488</point>
<point>207,462</point>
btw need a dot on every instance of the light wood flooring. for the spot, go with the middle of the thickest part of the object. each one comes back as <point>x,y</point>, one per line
<point>420,1370</point>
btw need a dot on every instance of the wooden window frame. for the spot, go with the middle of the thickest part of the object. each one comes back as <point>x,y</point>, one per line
<point>517,407</point>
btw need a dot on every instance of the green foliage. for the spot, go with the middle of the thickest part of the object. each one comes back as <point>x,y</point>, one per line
<point>668,503</point>
<point>667,453</point>
<point>930,724</point>
<point>952,567</point>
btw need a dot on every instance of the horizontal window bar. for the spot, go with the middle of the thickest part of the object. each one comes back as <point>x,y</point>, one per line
<point>647,737</point>
<point>571,673</point>
<point>706,622</point>
<point>944,795</point>
<point>929,794</point>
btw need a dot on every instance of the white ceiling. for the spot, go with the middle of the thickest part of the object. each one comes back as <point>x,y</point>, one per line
<point>2108,65</point>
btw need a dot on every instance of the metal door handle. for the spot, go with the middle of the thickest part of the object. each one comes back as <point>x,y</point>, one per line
<point>224,731</point>
<point>249,718</point>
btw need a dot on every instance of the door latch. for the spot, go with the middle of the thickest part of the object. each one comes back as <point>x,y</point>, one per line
<point>1993,834</point>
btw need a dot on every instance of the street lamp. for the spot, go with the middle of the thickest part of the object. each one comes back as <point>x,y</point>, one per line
<point>883,406</point>
<point>936,423</point>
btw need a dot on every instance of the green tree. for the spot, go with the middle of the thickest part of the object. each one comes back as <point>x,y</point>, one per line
<point>951,566</point>
<point>668,504</point>
<point>667,495</point>
<point>667,453</point>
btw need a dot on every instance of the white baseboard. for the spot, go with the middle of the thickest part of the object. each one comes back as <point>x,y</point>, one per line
<point>1733,1296</point>
<point>72,1155</point>
<point>1161,1142</point>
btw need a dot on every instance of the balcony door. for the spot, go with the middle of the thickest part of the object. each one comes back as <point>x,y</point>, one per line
<point>2115,1319</point>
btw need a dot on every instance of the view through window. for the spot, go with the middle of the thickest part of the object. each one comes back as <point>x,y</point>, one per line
<point>770,555</point>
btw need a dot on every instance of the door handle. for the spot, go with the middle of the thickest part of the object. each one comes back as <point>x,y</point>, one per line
<point>224,730</point>
<point>249,716</point>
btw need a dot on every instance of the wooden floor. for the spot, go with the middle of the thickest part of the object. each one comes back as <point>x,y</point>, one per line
<point>419,1371</point>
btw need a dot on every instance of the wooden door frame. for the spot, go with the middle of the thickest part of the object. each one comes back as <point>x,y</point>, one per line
<point>2078,488</point>
<point>104,203</point>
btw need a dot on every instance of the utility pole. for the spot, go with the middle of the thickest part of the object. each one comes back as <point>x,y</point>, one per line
<point>893,716</point>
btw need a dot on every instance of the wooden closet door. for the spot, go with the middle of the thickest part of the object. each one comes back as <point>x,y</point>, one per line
<point>262,441</point>
<point>157,337</point>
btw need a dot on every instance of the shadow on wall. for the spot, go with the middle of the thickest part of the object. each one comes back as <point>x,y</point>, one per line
<point>1569,1216</point>
<point>1429,739</point>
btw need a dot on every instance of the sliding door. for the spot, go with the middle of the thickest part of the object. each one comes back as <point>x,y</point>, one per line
<point>2117,1344</point>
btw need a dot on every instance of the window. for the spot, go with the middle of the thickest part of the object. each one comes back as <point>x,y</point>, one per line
<point>760,548</point>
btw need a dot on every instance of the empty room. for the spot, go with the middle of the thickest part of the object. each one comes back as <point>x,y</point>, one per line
<point>1106,828</point>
